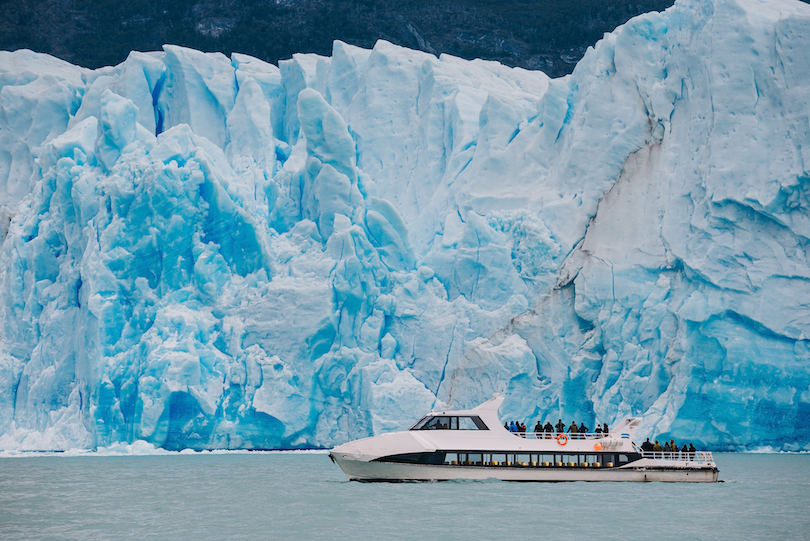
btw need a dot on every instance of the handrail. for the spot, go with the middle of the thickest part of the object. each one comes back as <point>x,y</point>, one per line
<point>701,457</point>
<point>571,436</point>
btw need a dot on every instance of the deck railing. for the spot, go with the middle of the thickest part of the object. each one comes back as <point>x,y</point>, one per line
<point>701,457</point>
<point>553,435</point>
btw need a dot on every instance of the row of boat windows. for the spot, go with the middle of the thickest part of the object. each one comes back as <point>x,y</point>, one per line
<point>537,460</point>
<point>450,423</point>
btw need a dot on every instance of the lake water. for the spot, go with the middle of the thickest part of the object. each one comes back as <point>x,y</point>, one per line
<point>305,496</point>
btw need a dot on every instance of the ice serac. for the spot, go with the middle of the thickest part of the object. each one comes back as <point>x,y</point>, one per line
<point>203,252</point>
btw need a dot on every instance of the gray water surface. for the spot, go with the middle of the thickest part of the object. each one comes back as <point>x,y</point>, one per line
<point>305,496</point>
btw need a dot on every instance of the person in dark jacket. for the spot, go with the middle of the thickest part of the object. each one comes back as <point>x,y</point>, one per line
<point>521,428</point>
<point>538,428</point>
<point>549,430</point>
<point>692,452</point>
<point>685,452</point>
<point>605,428</point>
<point>667,449</point>
<point>583,429</point>
<point>598,430</point>
<point>647,446</point>
<point>506,425</point>
<point>560,426</point>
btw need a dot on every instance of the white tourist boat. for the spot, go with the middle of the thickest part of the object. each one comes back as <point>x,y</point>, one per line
<point>473,444</point>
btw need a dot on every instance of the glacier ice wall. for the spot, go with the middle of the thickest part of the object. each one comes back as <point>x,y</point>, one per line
<point>210,252</point>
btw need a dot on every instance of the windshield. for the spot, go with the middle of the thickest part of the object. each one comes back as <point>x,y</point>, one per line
<point>450,422</point>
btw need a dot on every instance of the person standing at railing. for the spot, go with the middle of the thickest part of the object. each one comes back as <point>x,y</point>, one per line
<point>583,429</point>
<point>538,428</point>
<point>573,429</point>
<point>692,452</point>
<point>521,428</point>
<point>667,449</point>
<point>657,450</point>
<point>549,430</point>
<point>512,427</point>
<point>560,426</point>
<point>598,430</point>
<point>647,446</point>
<point>605,429</point>
<point>685,452</point>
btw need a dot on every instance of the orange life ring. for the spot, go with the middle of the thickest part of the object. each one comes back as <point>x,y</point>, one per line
<point>564,438</point>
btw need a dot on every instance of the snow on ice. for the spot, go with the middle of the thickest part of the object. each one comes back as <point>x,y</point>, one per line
<point>208,252</point>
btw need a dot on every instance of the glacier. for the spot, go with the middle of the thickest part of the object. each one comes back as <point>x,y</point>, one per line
<point>203,252</point>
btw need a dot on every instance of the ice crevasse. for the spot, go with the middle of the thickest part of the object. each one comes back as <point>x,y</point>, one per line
<point>208,252</point>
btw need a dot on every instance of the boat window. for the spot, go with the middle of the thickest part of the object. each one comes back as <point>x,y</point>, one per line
<point>622,458</point>
<point>436,423</point>
<point>471,423</point>
<point>440,422</point>
<point>435,458</point>
<point>451,458</point>
<point>420,423</point>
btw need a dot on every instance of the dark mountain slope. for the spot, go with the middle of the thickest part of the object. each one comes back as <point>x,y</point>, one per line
<point>551,35</point>
<point>539,34</point>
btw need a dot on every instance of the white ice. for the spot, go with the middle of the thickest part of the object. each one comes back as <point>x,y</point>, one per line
<point>212,253</point>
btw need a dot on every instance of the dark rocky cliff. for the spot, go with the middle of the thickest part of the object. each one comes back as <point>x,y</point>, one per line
<point>551,35</point>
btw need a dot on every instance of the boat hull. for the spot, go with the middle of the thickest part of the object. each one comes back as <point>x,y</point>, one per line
<point>358,470</point>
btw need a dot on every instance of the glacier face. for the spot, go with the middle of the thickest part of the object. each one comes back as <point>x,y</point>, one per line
<point>208,252</point>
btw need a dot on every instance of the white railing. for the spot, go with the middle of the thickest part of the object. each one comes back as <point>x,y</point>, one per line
<point>701,457</point>
<point>553,435</point>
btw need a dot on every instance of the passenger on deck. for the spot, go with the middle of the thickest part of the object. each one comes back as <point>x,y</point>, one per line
<point>657,449</point>
<point>538,428</point>
<point>647,446</point>
<point>598,430</point>
<point>549,429</point>
<point>685,452</point>
<point>583,429</point>
<point>512,427</point>
<point>673,448</point>
<point>560,426</point>
<point>667,449</point>
<point>506,425</point>
<point>521,428</point>
<point>605,428</point>
<point>692,452</point>
<point>573,429</point>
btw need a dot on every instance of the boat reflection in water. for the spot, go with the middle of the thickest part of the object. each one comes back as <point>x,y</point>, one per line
<point>472,444</point>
